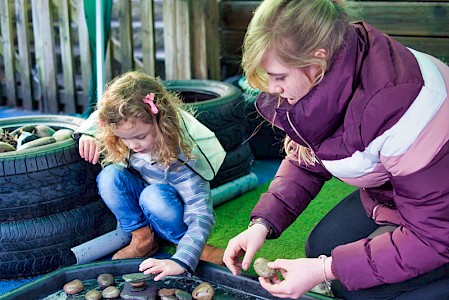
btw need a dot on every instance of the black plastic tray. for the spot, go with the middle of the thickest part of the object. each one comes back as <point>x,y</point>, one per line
<point>239,287</point>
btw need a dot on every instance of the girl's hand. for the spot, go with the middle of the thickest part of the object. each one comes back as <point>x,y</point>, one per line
<point>89,149</point>
<point>162,267</point>
<point>300,276</point>
<point>244,245</point>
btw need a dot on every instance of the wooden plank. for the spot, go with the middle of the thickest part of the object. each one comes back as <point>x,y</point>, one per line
<point>438,47</point>
<point>205,40</point>
<point>199,40</point>
<point>170,44</point>
<point>23,43</point>
<point>85,54</point>
<point>213,40</point>
<point>232,44</point>
<point>411,18</point>
<point>108,69</point>
<point>235,15</point>
<point>148,37</point>
<point>183,36</point>
<point>68,69</point>
<point>125,36</point>
<point>7,40</point>
<point>408,18</point>
<point>44,40</point>
<point>38,53</point>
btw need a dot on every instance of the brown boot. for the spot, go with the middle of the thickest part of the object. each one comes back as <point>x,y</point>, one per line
<point>143,244</point>
<point>213,254</point>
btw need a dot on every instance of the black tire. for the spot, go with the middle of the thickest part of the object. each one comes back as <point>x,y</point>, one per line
<point>40,245</point>
<point>218,105</point>
<point>266,141</point>
<point>237,163</point>
<point>45,180</point>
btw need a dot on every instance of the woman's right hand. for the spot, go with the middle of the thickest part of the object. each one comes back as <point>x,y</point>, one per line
<point>245,245</point>
<point>89,149</point>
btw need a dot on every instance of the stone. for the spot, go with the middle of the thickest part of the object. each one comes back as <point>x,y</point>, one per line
<point>136,277</point>
<point>73,287</point>
<point>261,267</point>
<point>36,143</point>
<point>204,291</point>
<point>43,131</point>
<point>5,147</point>
<point>150,293</point>
<point>105,280</point>
<point>111,292</point>
<point>62,134</point>
<point>93,295</point>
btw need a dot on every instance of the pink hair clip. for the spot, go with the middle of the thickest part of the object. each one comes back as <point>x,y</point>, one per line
<point>149,99</point>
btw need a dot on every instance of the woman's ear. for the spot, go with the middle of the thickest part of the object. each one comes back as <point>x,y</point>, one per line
<point>320,53</point>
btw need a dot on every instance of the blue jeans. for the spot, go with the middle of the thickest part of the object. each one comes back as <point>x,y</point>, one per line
<point>136,204</point>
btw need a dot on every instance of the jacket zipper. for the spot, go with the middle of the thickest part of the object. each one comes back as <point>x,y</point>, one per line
<point>314,157</point>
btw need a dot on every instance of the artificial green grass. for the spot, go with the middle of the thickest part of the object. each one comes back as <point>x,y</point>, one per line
<point>233,217</point>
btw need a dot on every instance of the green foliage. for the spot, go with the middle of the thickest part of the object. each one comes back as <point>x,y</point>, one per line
<point>233,217</point>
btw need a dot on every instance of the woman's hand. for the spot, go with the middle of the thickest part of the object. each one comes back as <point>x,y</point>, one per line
<point>89,149</point>
<point>300,276</point>
<point>244,245</point>
<point>161,267</point>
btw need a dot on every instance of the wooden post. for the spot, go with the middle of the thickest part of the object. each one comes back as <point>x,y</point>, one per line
<point>86,68</point>
<point>44,40</point>
<point>23,38</point>
<point>148,37</point>
<point>126,36</point>
<point>206,40</point>
<point>213,39</point>
<point>177,47</point>
<point>65,35</point>
<point>8,51</point>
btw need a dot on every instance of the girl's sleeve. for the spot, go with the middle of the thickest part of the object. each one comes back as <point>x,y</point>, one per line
<point>198,216</point>
<point>89,126</point>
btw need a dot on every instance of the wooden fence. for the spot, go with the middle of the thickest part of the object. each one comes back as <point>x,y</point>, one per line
<point>419,24</point>
<point>45,57</point>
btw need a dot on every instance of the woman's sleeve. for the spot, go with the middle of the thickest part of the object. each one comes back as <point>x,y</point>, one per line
<point>290,192</point>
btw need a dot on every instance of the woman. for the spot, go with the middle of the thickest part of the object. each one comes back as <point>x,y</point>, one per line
<point>357,105</point>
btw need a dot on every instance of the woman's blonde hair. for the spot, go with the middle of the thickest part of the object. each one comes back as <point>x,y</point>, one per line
<point>123,101</point>
<point>294,30</point>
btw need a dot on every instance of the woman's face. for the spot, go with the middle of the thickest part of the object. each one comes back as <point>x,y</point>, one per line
<point>290,83</point>
<point>136,135</point>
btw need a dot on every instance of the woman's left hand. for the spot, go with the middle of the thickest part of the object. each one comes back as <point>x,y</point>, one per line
<point>161,267</point>
<point>300,276</point>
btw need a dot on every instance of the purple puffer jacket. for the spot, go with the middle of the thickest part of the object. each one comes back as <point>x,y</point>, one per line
<point>378,120</point>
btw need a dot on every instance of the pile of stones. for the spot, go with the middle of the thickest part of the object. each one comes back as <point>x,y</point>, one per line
<point>31,136</point>
<point>137,286</point>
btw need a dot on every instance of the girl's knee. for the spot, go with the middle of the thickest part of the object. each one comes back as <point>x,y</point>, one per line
<point>110,176</point>
<point>161,201</point>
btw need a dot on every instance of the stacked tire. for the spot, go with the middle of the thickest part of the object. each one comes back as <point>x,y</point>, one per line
<point>266,140</point>
<point>49,202</point>
<point>220,107</point>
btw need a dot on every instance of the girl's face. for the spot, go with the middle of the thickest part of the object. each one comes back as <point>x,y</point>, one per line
<point>290,83</point>
<point>136,135</point>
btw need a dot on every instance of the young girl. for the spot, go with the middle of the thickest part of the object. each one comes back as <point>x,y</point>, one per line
<point>357,105</point>
<point>157,161</point>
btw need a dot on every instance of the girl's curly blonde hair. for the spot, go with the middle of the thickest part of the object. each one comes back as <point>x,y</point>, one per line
<point>123,100</point>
